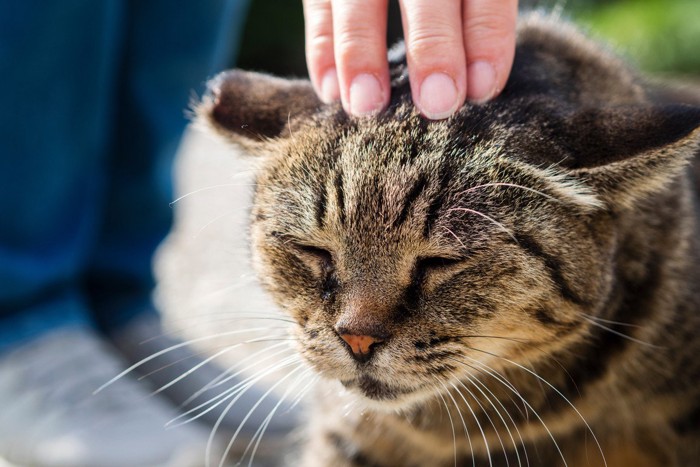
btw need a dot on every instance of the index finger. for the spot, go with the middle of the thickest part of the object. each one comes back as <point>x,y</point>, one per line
<point>359,34</point>
<point>320,59</point>
<point>489,40</point>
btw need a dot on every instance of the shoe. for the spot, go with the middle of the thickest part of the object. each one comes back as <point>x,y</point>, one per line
<point>161,360</point>
<point>49,416</point>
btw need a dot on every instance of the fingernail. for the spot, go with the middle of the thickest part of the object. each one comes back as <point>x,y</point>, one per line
<point>481,79</point>
<point>365,95</point>
<point>330,92</point>
<point>438,96</point>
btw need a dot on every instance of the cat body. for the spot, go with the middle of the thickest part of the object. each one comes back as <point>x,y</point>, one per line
<point>516,285</point>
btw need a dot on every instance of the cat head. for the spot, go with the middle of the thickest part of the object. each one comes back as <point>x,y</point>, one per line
<point>411,252</point>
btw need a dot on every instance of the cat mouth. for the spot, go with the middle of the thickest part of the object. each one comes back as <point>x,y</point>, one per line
<point>374,389</point>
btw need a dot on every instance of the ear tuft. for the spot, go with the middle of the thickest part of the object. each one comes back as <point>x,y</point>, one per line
<point>628,154</point>
<point>250,108</point>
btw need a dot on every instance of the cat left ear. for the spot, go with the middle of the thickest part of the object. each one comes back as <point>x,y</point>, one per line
<point>251,108</point>
<point>628,153</point>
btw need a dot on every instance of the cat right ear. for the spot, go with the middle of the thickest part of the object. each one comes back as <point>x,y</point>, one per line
<point>628,153</point>
<point>250,109</point>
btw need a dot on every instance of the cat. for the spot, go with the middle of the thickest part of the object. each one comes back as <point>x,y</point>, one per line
<point>518,284</point>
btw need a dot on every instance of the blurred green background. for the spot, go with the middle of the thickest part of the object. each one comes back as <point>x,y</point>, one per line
<point>661,36</point>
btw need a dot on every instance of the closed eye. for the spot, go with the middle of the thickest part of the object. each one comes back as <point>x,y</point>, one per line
<point>429,269</point>
<point>436,262</point>
<point>319,255</point>
<point>321,263</point>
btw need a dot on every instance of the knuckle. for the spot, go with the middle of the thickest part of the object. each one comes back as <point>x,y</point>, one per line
<point>431,42</point>
<point>489,39</point>
<point>489,26</point>
<point>355,46</point>
<point>319,25</point>
<point>320,43</point>
<point>319,56</point>
<point>358,32</point>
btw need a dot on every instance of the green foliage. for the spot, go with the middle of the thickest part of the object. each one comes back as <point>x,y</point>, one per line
<point>660,35</point>
<point>273,39</point>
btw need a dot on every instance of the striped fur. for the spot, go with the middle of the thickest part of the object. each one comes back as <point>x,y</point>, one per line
<point>531,265</point>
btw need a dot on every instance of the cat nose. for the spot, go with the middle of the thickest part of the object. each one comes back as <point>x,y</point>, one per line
<point>360,346</point>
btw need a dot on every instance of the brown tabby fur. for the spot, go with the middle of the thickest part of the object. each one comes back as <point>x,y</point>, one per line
<point>531,265</point>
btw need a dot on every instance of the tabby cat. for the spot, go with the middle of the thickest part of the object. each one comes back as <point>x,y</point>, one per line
<point>516,285</point>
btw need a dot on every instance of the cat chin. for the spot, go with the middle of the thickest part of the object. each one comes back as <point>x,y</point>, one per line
<point>381,397</point>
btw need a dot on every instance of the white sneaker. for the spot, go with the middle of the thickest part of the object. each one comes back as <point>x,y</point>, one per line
<point>49,416</point>
<point>255,407</point>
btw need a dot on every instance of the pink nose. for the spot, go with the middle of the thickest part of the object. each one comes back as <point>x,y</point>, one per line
<point>361,346</point>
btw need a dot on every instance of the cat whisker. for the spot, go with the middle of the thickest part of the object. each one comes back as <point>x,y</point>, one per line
<point>485,412</point>
<point>510,185</point>
<point>179,331</point>
<point>236,391</point>
<point>449,415</point>
<point>519,340</point>
<point>454,235</point>
<point>206,361</point>
<point>529,407</point>
<point>229,315</point>
<point>183,328</point>
<point>170,349</point>
<point>211,403</point>
<point>551,386</point>
<point>511,388</point>
<point>260,432</point>
<point>309,385</point>
<point>464,424</point>
<point>489,218</point>
<point>594,322</point>
<point>180,360</point>
<point>608,321</point>
<point>214,220</point>
<point>478,424</point>
<point>209,357</point>
<point>350,407</point>
<point>207,188</point>
<point>503,380</point>
<point>488,399</point>
<point>289,126</point>
<point>244,420</point>
<point>525,341</point>
<point>477,383</point>
<point>226,375</point>
<point>223,292</point>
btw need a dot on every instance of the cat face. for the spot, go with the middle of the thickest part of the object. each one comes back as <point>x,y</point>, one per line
<point>414,254</point>
<point>390,231</point>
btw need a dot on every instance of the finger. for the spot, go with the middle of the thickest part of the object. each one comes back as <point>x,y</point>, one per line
<point>489,38</point>
<point>359,32</point>
<point>318,26</point>
<point>435,55</point>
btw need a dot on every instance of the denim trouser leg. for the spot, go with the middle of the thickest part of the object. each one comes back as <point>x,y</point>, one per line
<point>93,109</point>
<point>170,51</point>
<point>57,62</point>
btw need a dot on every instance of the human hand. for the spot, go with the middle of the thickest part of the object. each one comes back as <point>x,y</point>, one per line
<point>455,49</point>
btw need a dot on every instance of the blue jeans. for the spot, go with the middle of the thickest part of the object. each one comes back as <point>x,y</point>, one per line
<point>93,107</point>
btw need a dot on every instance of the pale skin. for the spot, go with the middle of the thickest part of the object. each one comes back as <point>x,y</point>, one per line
<point>456,50</point>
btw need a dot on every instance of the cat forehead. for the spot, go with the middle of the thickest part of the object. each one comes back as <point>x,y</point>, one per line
<point>404,155</point>
<point>396,141</point>
<point>401,137</point>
